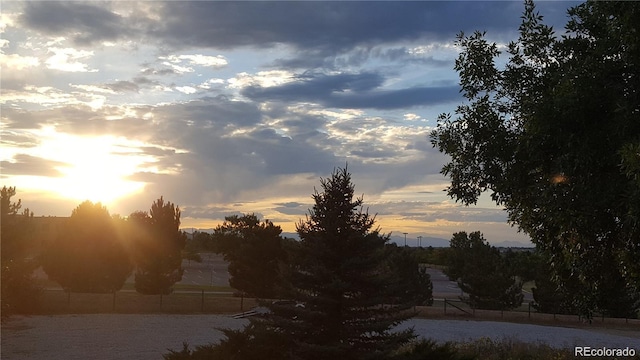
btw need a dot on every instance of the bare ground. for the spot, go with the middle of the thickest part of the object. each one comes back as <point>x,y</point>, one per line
<point>135,336</point>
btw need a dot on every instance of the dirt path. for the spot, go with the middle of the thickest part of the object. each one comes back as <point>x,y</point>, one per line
<point>120,336</point>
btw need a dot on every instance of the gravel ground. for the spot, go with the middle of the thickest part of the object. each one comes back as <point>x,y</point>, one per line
<point>119,336</point>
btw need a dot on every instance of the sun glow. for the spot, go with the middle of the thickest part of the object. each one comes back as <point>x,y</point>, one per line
<point>91,168</point>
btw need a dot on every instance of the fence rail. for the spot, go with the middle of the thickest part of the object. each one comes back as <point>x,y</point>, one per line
<point>56,301</point>
<point>455,308</point>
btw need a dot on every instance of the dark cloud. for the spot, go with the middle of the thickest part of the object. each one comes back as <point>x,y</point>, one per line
<point>351,91</point>
<point>85,23</point>
<point>313,58</point>
<point>291,204</point>
<point>154,71</point>
<point>327,26</point>
<point>458,214</point>
<point>300,211</point>
<point>321,29</point>
<point>123,86</point>
<point>23,164</point>
<point>210,212</point>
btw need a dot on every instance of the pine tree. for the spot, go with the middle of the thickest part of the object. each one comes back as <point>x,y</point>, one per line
<point>159,248</point>
<point>339,277</point>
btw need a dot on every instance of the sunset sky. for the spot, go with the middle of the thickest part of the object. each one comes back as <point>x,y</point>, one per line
<point>237,107</point>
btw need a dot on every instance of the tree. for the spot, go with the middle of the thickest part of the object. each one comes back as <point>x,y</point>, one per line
<point>159,244</point>
<point>89,255</point>
<point>547,295</point>
<point>254,252</point>
<point>522,264</point>
<point>558,152</point>
<point>19,292</point>
<point>339,282</point>
<point>481,273</point>
<point>339,277</point>
<point>412,283</point>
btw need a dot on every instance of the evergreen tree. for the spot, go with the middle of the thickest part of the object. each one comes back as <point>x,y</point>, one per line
<point>159,245</point>
<point>340,278</point>
<point>481,273</point>
<point>412,283</point>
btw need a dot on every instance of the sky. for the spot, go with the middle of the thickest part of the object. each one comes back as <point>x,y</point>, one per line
<point>237,107</point>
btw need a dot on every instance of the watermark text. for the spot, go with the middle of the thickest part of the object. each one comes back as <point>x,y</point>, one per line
<point>587,351</point>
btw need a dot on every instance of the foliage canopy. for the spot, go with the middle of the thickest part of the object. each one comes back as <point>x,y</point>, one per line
<point>254,252</point>
<point>19,292</point>
<point>89,255</point>
<point>555,137</point>
<point>158,248</point>
<point>482,273</point>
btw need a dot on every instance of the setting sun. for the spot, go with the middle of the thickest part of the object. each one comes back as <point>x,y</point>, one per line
<point>92,168</point>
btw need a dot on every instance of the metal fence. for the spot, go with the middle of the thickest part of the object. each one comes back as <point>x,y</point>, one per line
<point>455,308</point>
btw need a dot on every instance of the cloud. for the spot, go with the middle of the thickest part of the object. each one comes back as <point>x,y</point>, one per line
<point>411,117</point>
<point>18,62</point>
<point>48,96</point>
<point>328,26</point>
<point>110,88</point>
<point>85,23</point>
<point>293,208</point>
<point>198,59</point>
<point>262,79</point>
<point>367,55</point>
<point>351,91</point>
<point>66,59</point>
<point>186,89</point>
<point>23,164</point>
<point>318,31</point>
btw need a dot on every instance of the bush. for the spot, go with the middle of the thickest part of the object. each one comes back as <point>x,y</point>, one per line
<point>509,349</point>
<point>429,349</point>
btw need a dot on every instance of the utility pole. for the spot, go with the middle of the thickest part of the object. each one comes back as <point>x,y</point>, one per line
<point>420,241</point>
<point>405,239</point>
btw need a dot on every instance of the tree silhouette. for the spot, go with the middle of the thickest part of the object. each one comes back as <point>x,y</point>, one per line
<point>89,255</point>
<point>481,272</point>
<point>555,135</point>
<point>340,285</point>
<point>340,282</point>
<point>254,252</point>
<point>411,283</point>
<point>19,293</point>
<point>158,248</point>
